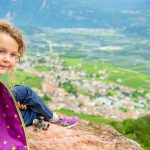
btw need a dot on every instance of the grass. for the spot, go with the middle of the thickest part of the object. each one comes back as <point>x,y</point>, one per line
<point>25,78</point>
<point>90,118</point>
<point>46,99</point>
<point>41,68</point>
<point>28,79</point>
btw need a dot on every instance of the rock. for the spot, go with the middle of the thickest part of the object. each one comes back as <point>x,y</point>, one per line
<point>85,136</point>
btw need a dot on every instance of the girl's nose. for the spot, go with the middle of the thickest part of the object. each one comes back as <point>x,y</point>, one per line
<point>7,58</point>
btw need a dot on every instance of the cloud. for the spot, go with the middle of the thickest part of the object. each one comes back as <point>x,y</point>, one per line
<point>79,18</point>
<point>44,4</point>
<point>10,15</point>
<point>130,12</point>
<point>29,20</point>
<point>70,13</point>
<point>15,1</point>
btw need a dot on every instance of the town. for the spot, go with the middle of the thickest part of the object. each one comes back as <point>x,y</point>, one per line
<point>70,88</point>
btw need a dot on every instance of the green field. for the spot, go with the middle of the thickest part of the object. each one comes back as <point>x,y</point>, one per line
<point>28,79</point>
<point>41,68</point>
<point>21,77</point>
<point>128,78</point>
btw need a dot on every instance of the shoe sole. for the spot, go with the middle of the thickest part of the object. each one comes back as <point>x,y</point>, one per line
<point>71,126</point>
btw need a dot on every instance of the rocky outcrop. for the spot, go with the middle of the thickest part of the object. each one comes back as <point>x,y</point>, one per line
<point>86,136</point>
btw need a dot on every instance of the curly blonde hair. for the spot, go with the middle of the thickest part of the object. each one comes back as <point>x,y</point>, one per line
<point>8,28</point>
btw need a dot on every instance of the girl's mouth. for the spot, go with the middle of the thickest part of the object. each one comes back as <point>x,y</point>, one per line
<point>3,67</point>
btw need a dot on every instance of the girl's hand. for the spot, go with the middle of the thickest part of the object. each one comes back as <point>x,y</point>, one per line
<point>21,106</point>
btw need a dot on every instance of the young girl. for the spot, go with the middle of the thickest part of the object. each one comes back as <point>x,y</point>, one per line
<point>12,130</point>
<point>12,133</point>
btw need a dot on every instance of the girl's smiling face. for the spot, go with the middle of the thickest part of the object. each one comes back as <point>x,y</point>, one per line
<point>8,52</point>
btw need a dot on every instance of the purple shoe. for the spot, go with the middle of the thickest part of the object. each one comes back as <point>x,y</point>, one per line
<point>67,121</point>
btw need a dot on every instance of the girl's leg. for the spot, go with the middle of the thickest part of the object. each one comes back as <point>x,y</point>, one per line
<point>35,105</point>
<point>27,96</point>
<point>28,117</point>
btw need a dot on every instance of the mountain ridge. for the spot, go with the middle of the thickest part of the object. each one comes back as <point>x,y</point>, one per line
<point>87,14</point>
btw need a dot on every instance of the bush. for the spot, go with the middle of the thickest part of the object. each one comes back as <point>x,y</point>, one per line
<point>69,87</point>
<point>138,130</point>
<point>46,99</point>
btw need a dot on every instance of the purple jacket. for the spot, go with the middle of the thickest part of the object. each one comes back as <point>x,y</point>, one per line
<point>12,129</point>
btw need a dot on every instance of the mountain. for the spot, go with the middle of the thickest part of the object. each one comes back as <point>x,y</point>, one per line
<point>85,136</point>
<point>79,13</point>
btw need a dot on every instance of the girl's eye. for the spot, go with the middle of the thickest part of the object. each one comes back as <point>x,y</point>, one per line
<point>14,55</point>
<point>2,51</point>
